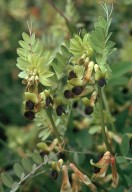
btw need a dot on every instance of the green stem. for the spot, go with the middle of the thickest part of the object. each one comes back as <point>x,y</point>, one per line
<point>108,111</point>
<point>54,126</point>
<point>102,121</point>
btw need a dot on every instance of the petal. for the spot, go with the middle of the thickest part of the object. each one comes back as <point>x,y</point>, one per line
<point>80,175</point>
<point>66,187</point>
<point>101,173</point>
<point>103,161</point>
<point>115,176</point>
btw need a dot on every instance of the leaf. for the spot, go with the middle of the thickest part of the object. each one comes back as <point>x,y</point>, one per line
<point>125,145</point>
<point>118,81</point>
<point>26,37</point>
<point>25,45</point>
<point>94,129</point>
<point>18,169</point>
<point>46,159</point>
<point>36,158</point>
<point>46,135</point>
<point>7,179</point>
<point>120,159</point>
<point>34,168</point>
<point>27,165</point>
<point>119,69</point>
<point>1,188</point>
<point>14,187</point>
<point>22,176</point>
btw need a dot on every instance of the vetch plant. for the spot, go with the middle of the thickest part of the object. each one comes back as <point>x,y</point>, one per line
<point>77,73</point>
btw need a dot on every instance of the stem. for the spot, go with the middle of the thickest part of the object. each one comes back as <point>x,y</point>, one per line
<point>108,111</point>
<point>102,121</point>
<point>71,27</point>
<point>54,126</point>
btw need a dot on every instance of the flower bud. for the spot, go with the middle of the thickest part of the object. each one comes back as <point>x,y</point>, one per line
<point>93,98</point>
<point>65,187</point>
<point>43,146</point>
<point>87,60</point>
<point>36,79</point>
<point>32,78</point>
<point>53,144</point>
<point>89,71</point>
<point>96,68</point>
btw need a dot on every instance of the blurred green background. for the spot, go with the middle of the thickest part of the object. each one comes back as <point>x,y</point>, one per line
<point>15,134</point>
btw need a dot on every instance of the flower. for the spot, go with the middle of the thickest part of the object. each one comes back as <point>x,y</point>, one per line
<point>33,62</point>
<point>103,165</point>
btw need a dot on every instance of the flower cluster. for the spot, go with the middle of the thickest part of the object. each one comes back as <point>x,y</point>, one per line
<point>101,167</point>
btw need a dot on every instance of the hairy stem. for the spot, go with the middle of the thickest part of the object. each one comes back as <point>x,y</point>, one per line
<point>102,121</point>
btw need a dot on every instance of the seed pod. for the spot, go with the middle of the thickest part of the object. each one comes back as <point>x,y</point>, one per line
<point>68,94</point>
<point>102,82</point>
<point>30,115</point>
<point>54,174</point>
<point>59,110</point>
<point>77,90</point>
<point>49,101</point>
<point>29,105</point>
<point>88,110</point>
<point>72,75</point>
